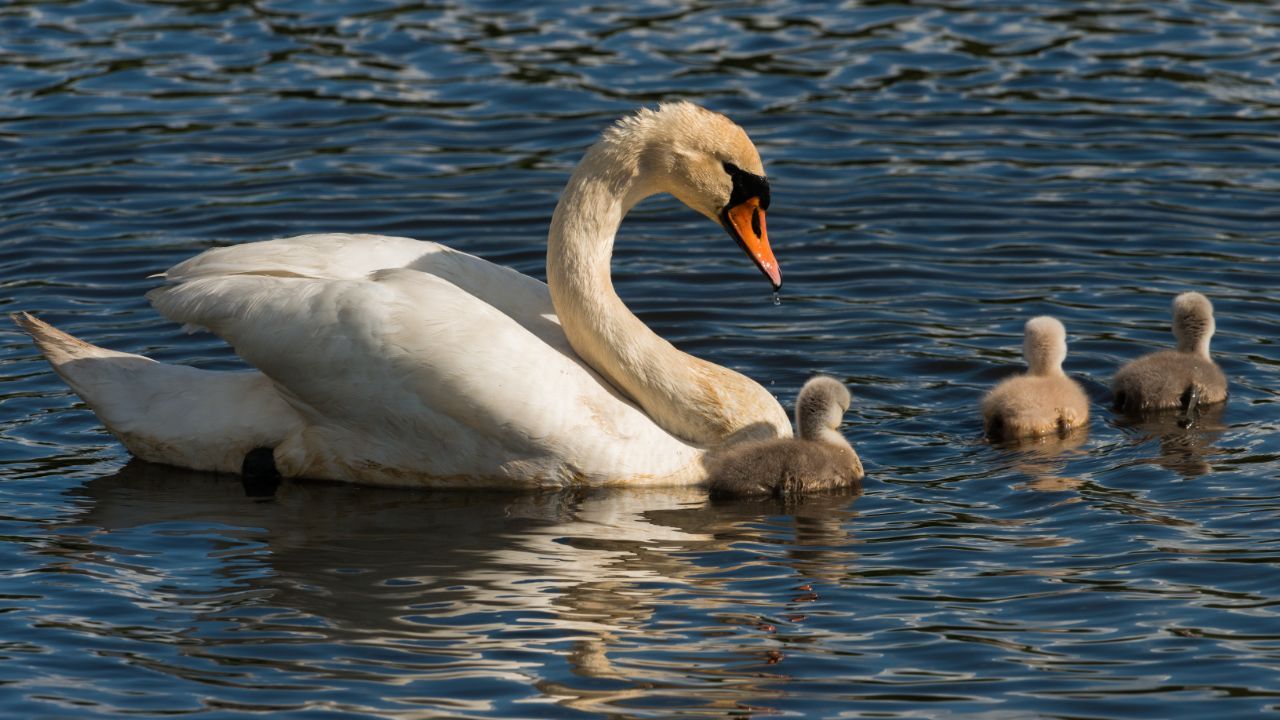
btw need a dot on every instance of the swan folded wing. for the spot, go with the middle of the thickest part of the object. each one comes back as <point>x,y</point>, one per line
<point>341,256</point>
<point>328,255</point>
<point>404,372</point>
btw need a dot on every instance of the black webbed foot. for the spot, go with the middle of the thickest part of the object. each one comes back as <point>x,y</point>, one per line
<point>995,428</point>
<point>1190,407</point>
<point>258,473</point>
<point>1120,401</point>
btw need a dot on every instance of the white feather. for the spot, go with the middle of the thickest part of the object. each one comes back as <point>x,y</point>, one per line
<point>403,373</point>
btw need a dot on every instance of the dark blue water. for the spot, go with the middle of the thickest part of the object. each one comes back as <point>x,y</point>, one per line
<point>942,172</point>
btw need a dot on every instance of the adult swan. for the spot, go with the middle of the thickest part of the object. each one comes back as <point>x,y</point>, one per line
<point>391,361</point>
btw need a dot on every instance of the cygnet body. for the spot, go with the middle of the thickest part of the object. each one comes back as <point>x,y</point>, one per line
<point>1181,378</point>
<point>1044,400</point>
<point>817,459</point>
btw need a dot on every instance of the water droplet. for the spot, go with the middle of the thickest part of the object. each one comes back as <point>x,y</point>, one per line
<point>777,300</point>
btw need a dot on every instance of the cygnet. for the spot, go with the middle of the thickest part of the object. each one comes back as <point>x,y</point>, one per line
<point>1184,378</point>
<point>1044,400</point>
<point>817,459</point>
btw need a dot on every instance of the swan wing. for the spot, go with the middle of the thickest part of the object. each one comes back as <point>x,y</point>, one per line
<point>343,256</point>
<point>439,371</point>
<point>325,255</point>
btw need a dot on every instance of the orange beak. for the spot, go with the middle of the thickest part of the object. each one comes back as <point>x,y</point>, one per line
<point>745,223</point>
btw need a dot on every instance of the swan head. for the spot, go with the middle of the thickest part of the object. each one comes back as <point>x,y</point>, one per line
<point>1193,323</point>
<point>709,164</point>
<point>1044,345</point>
<point>820,406</point>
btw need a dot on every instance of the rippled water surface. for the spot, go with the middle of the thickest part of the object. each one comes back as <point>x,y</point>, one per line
<point>942,172</point>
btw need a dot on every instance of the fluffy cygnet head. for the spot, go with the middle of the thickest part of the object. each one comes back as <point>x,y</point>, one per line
<point>1044,346</point>
<point>1193,324</point>
<point>820,406</point>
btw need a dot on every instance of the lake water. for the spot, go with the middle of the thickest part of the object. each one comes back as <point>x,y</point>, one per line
<point>942,172</point>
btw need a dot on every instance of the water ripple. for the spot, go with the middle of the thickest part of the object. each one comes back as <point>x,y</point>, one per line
<point>941,170</point>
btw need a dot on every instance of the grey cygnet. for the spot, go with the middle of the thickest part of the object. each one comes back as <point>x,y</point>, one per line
<point>817,459</point>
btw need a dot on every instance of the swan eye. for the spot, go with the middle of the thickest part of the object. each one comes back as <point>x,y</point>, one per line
<point>747,185</point>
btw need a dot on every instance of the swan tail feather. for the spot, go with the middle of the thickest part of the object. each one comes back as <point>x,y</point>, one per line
<point>171,414</point>
<point>57,346</point>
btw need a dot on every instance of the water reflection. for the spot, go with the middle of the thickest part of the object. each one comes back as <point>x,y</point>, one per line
<point>472,585</point>
<point>1182,448</point>
<point>1042,458</point>
<point>943,170</point>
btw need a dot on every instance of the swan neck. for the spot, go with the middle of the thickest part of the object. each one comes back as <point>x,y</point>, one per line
<point>691,399</point>
<point>603,188</point>
<point>1195,344</point>
<point>1044,367</point>
<point>832,436</point>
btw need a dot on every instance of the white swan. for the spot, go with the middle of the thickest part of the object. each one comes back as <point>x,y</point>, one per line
<point>391,361</point>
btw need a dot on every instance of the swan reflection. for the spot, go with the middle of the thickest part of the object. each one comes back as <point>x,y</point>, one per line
<point>410,586</point>
<point>1042,458</point>
<point>1183,447</point>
